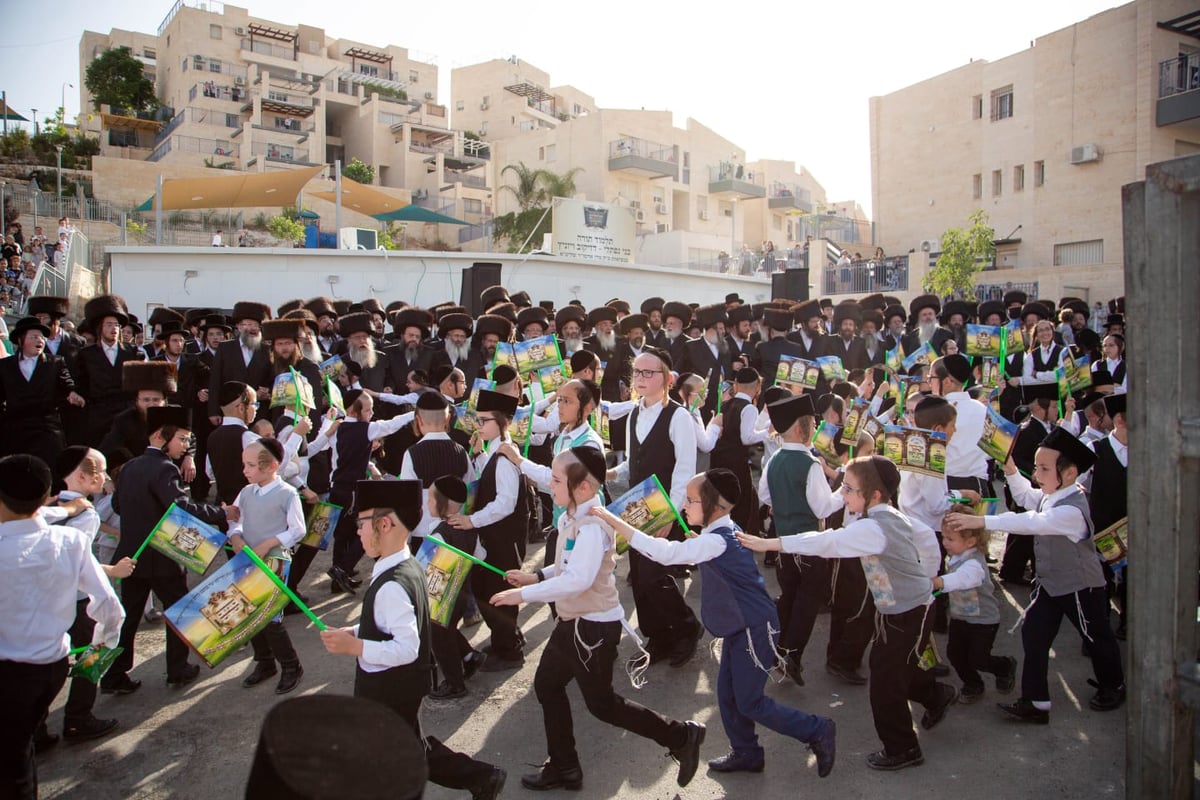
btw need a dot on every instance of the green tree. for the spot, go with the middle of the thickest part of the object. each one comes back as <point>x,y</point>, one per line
<point>116,78</point>
<point>534,191</point>
<point>290,230</point>
<point>529,191</point>
<point>563,185</point>
<point>359,172</point>
<point>964,254</point>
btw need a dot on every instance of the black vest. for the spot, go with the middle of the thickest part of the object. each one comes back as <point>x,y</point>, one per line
<point>399,688</point>
<point>505,539</point>
<point>1118,374</point>
<point>225,454</point>
<point>1108,499</point>
<point>655,455</point>
<point>433,458</point>
<point>729,448</point>
<point>1042,366</point>
<point>353,454</point>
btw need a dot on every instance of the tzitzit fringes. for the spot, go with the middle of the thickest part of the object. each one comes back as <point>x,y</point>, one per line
<point>918,648</point>
<point>635,668</point>
<point>1083,631</point>
<point>1037,589</point>
<point>586,655</point>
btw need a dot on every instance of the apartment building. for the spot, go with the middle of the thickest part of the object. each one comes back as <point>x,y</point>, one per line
<point>1042,140</point>
<point>245,93</point>
<point>504,98</point>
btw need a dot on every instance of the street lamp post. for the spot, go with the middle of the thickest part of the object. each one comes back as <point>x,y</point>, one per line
<point>59,148</point>
<point>64,100</point>
<point>36,131</point>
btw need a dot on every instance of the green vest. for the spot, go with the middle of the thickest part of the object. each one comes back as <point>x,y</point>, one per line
<point>787,478</point>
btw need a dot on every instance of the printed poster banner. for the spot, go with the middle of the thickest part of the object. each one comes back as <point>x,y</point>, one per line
<point>287,387</point>
<point>332,367</point>
<point>186,540</point>
<point>229,607</point>
<point>832,368</point>
<point>445,576</point>
<point>591,231</point>
<point>989,372</point>
<point>1014,342</point>
<point>552,378</point>
<point>916,449</point>
<point>322,519</point>
<point>645,507</point>
<point>1112,543</point>
<point>825,440</point>
<point>858,413</point>
<point>797,374</point>
<point>534,354</point>
<point>984,340</point>
<point>999,436</point>
<point>922,356</point>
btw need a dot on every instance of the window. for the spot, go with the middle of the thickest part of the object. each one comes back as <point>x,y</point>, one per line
<point>149,52</point>
<point>997,177</point>
<point>1019,178</point>
<point>279,97</point>
<point>233,121</point>
<point>551,152</point>
<point>472,206</point>
<point>413,77</point>
<point>483,128</point>
<point>1002,103</point>
<point>459,105</point>
<point>977,107</point>
<point>368,69</point>
<point>214,66</point>
<point>1075,253</point>
<point>214,31</point>
<point>726,208</point>
<point>1039,173</point>
<point>977,185</point>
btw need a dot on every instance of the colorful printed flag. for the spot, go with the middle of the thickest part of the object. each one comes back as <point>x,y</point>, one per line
<point>797,374</point>
<point>825,442</point>
<point>332,367</point>
<point>1014,342</point>
<point>505,354</point>
<point>832,368</point>
<point>229,607</point>
<point>292,390</point>
<point>916,449</point>
<point>535,354</point>
<point>551,379</point>
<point>186,540</point>
<point>984,340</point>
<point>893,360</point>
<point>999,436</point>
<point>334,395</point>
<point>322,520</point>
<point>445,575</point>
<point>923,355</point>
<point>648,508</point>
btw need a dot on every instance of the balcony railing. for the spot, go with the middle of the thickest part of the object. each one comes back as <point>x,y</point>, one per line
<point>868,275</point>
<point>212,66</point>
<point>234,94</point>
<point>279,152</point>
<point>194,144</point>
<point>643,148</point>
<point>466,179</point>
<point>996,291</point>
<point>1178,75</point>
<point>267,49</point>
<point>287,125</point>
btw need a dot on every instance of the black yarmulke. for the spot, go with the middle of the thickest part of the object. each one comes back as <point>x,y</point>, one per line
<point>24,477</point>
<point>958,366</point>
<point>231,392</point>
<point>431,401</point>
<point>272,446</point>
<point>746,376</point>
<point>726,484</point>
<point>583,359</point>
<point>504,374</point>
<point>70,459</point>
<point>452,488</point>
<point>593,460</point>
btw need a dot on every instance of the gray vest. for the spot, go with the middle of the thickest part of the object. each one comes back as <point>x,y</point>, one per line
<point>264,516</point>
<point>895,576</point>
<point>1066,564</point>
<point>977,605</point>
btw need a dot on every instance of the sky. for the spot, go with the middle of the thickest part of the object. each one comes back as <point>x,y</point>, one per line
<point>783,81</point>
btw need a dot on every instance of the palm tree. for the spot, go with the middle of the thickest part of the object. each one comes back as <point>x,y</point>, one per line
<point>563,185</point>
<point>528,191</point>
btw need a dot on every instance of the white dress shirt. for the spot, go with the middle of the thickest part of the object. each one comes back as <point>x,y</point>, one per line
<point>41,568</point>
<point>110,352</point>
<point>394,614</point>
<point>682,434</point>
<point>408,473</point>
<point>748,427</point>
<point>1045,376</point>
<point>822,500</point>
<point>1047,518</point>
<point>579,566</point>
<point>925,498</point>
<point>27,366</point>
<point>964,458</point>
<point>508,483</point>
<point>963,572</point>
<point>704,547</point>
<point>296,528</point>
<point>1111,366</point>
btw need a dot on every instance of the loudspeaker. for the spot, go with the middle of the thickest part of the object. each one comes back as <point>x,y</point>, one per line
<point>475,278</point>
<point>791,283</point>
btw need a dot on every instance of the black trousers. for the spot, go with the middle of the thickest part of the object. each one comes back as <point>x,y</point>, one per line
<point>804,585</point>
<point>1018,551</point>
<point>81,697</point>
<point>584,651</point>
<point>1087,608</point>
<point>134,593</point>
<point>26,691</point>
<point>507,641</point>
<point>852,619</point>
<point>449,645</point>
<point>896,678</point>
<point>970,652</point>
<point>347,549</point>
<point>663,615</point>
<point>302,558</point>
<point>272,643</point>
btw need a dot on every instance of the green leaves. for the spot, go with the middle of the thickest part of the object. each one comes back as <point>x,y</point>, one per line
<point>116,78</point>
<point>964,254</point>
<point>290,230</point>
<point>359,172</point>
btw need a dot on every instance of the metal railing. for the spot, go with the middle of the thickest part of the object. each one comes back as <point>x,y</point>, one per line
<point>1178,75</point>
<point>732,170</point>
<point>466,179</point>
<point>279,152</point>
<point>232,94</point>
<point>214,6</point>
<point>996,291</point>
<point>643,148</point>
<point>212,66</point>
<point>780,189</point>
<point>470,233</point>
<point>194,144</point>
<point>867,275</point>
<point>200,116</point>
<point>267,49</point>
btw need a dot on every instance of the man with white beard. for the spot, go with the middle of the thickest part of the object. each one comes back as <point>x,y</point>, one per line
<point>307,341</point>
<point>327,337</point>
<point>568,323</point>
<point>652,307</point>
<point>676,317</point>
<point>242,359</point>
<point>924,310</point>
<point>710,355</point>
<point>358,330</point>
<point>411,327</point>
<point>456,352</point>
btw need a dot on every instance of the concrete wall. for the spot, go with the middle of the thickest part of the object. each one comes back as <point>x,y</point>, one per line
<point>147,276</point>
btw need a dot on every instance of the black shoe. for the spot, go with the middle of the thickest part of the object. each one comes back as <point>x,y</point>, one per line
<point>551,777</point>
<point>490,788</point>
<point>339,581</point>
<point>188,674</point>
<point>121,685</point>
<point>970,695</point>
<point>881,760</point>
<point>262,671</point>
<point>735,762</point>
<point>448,691</point>
<point>1025,711</point>
<point>935,713</point>
<point>1006,682</point>
<point>153,616</point>
<point>824,747</point>
<point>849,676</point>
<point>940,671</point>
<point>688,755</point>
<point>792,670</point>
<point>498,663</point>
<point>88,728</point>
<point>43,740</point>
<point>353,581</point>
<point>1108,699</point>
<point>683,650</point>
<point>471,664</point>
<point>290,679</point>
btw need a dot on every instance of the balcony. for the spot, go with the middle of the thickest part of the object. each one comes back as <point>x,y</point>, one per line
<point>644,158</point>
<point>221,149</point>
<point>730,179</point>
<point>201,116</point>
<point>1179,91</point>
<point>231,94</point>
<point>212,66</point>
<point>261,48</point>
<point>866,276</point>
<point>281,154</point>
<point>788,196</point>
<point>287,125</point>
<point>288,104</point>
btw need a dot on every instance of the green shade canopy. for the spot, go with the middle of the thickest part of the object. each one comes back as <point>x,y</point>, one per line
<point>7,113</point>
<point>416,213</point>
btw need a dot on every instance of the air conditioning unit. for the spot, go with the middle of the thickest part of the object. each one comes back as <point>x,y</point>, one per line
<point>429,95</point>
<point>662,227</point>
<point>484,106</point>
<point>703,214</point>
<point>635,203</point>
<point>930,246</point>
<point>240,31</point>
<point>640,215</point>
<point>239,81</point>
<point>1085,154</point>
<point>660,208</point>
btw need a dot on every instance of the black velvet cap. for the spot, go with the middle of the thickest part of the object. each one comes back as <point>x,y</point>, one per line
<point>593,460</point>
<point>785,412</point>
<point>452,488</point>
<point>24,477</point>
<point>160,416</point>
<point>726,484</point>
<point>431,401</point>
<point>494,401</point>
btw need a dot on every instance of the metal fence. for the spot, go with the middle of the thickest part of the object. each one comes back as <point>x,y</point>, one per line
<point>867,275</point>
<point>996,291</point>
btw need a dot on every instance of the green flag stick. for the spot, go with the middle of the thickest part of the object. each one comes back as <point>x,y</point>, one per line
<point>1003,351</point>
<point>253,556</point>
<point>78,650</point>
<point>299,394</point>
<point>467,556</point>
<point>679,517</point>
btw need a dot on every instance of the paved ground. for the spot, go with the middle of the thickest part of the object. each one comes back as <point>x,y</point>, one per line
<point>198,742</point>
